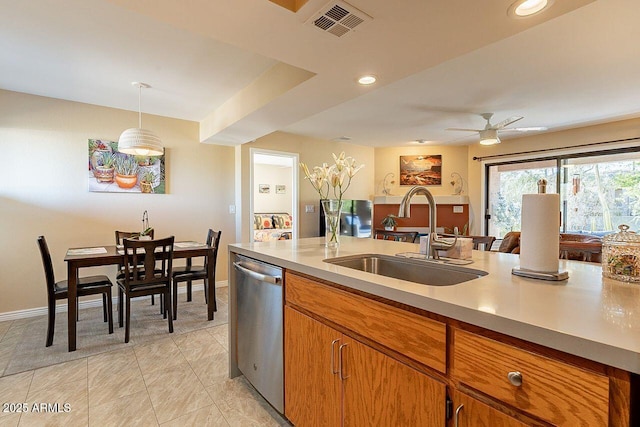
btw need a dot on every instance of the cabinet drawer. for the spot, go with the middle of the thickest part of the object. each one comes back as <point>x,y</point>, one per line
<point>417,337</point>
<point>553,391</point>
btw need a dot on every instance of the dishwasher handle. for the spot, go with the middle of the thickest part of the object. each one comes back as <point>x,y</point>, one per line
<point>259,276</point>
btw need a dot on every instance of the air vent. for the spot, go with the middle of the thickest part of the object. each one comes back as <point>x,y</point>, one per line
<point>338,18</point>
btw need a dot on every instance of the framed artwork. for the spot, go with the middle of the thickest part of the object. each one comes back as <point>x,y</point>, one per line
<point>421,170</point>
<point>281,189</point>
<point>113,172</point>
<point>264,188</point>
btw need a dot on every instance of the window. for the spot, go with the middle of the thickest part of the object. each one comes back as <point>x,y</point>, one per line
<point>598,191</point>
<point>507,183</point>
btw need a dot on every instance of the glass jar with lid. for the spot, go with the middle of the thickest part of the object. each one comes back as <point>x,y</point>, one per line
<point>621,255</point>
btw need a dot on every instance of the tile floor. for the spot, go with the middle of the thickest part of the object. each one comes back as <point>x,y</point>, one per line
<point>179,380</point>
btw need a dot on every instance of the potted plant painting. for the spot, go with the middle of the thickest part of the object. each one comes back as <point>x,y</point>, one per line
<point>389,222</point>
<point>105,166</point>
<point>96,149</point>
<point>146,181</point>
<point>126,169</point>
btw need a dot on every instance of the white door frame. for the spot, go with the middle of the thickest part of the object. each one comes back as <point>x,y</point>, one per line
<point>294,183</point>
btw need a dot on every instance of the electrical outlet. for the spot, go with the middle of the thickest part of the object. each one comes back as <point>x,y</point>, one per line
<point>309,208</point>
<point>232,209</point>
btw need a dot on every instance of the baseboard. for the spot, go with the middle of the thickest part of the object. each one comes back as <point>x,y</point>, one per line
<point>62,308</point>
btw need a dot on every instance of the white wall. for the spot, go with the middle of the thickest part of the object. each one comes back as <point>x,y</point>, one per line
<point>272,202</point>
<point>313,152</point>
<point>43,190</point>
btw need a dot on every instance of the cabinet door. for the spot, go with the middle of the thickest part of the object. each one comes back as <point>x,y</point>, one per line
<point>470,412</point>
<point>380,391</point>
<point>312,386</point>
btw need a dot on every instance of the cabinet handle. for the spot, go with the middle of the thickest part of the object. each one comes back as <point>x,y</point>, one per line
<point>340,361</point>
<point>515,378</point>
<point>458,409</point>
<point>333,343</point>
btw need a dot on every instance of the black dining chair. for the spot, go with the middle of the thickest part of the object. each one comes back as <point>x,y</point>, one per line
<point>484,242</point>
<point>397,236</point>
<point>120,236</point>
<point>148,265</point>
<point>191,272</point>
<point>90,285</point>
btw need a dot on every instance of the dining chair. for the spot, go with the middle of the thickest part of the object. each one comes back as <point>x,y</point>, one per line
<point>397,236</point>
<point>148,265</point>
<point>486,241</point>
<point>191,272</point>
<point>89,285</point>
<point>120,236</point>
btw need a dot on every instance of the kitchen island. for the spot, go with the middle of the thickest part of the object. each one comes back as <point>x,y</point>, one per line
<point>586,323</point>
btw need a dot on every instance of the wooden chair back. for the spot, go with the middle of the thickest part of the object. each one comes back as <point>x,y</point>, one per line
<point>486,241</point>
<point>148,262</point>
<point>213,240</point>
<point>121,235</point>
<point>48,267</point>
<point>397,236</point>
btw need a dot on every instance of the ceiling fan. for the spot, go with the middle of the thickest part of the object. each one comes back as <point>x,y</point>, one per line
<point>489,135</point>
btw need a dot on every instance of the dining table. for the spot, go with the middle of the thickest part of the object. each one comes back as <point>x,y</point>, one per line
<point>77,258</point>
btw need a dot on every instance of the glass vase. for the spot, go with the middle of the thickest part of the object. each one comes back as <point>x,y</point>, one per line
<point>332,209</point>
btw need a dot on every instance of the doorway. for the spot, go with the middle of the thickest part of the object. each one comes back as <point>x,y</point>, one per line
<point>273,210</point>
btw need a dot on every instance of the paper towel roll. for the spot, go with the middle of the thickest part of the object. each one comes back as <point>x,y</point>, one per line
<point>540,236</point>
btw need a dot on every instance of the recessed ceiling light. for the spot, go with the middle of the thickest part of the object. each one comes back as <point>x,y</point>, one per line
<point>526,8</point>
<point>367,80</point>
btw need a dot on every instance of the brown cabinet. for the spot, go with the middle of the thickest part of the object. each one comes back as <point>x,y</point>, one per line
<point>353,360</point>
<point>380,391</point>
<point>470,412</point>
<point>330,377</point>
<point>417,337</point>
<point>312,386</point>
<point>553,391</point>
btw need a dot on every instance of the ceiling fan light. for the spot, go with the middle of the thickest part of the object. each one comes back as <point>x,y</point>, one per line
<point>489,137</point>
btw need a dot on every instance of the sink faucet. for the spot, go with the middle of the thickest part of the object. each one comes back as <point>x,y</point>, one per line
<point>434,243</point>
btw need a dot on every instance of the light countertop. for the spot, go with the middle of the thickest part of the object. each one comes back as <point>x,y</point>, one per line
<point>587,315</point>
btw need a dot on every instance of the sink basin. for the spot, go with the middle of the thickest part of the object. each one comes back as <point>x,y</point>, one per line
<point>411,270</point>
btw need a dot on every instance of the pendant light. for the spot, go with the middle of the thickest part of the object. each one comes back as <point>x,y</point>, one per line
<point>138,141</point>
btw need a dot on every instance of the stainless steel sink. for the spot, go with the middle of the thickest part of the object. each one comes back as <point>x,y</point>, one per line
<point>411,270</point>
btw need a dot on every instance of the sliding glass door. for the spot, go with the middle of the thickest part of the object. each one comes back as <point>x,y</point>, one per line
<point>598,191</point>
<point>507,183</point>
<point>601,192</point>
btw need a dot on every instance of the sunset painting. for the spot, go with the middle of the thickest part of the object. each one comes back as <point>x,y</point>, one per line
<point>421,170</point>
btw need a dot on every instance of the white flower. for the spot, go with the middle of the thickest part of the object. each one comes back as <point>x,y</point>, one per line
<point>337,176</point>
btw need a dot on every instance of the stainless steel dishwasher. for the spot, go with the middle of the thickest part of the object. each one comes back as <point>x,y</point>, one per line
<point>259,327</point>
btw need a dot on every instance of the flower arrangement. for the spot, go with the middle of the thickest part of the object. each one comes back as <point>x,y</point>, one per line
<point>333,181</point>
<point>336,177</point>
